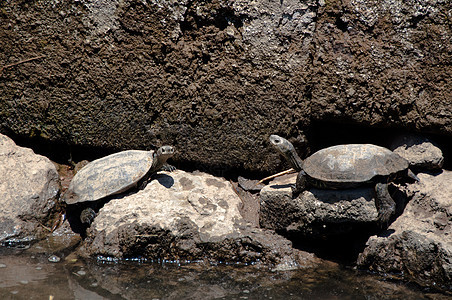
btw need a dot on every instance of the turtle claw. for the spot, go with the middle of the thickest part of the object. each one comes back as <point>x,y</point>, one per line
<point>168,167</point>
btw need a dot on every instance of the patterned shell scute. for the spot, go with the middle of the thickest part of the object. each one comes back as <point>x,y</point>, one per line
<point>109,175</point>
<point>353,163</point>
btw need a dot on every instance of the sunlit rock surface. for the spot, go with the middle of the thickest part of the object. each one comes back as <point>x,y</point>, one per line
<point>184,216</point>
<point>419,243</point>
<point>29,185</point>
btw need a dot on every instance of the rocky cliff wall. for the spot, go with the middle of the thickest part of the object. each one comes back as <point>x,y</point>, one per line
<point>216,78</point>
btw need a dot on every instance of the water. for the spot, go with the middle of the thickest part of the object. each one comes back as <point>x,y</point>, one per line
<point>28,273</point>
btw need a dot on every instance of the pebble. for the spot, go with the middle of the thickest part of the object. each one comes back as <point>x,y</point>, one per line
<point>2,266</point>
<point>24,281</point>
<point>54,259</point>
<point>81,273</point>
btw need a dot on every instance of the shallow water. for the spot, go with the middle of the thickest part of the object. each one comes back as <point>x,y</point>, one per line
<point>31,274</point>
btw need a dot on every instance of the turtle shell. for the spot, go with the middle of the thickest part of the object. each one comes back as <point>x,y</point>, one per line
<point>109,175</point>
<point>353,163</point>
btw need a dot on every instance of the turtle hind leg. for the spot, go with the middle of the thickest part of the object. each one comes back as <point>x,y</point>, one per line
<point>87,216</point>
<point>384,203</point>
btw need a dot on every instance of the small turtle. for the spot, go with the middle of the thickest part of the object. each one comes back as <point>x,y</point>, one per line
<point>114,174</point>
<point>348,166</point>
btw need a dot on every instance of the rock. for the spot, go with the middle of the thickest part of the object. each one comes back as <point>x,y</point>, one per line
<point>418,244</point>
<point>420,152</point>
<point>249,184</point>
<point>29,186</point>
<point>214,76</point>
<point>316,213</point>
<point>183,216</point>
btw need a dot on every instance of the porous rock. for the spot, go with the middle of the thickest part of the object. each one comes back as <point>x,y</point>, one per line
<point>419,243</point>
<point>183,216</point>
<point>29,186</point>
<point>316,213</point>
<point>213,76</point>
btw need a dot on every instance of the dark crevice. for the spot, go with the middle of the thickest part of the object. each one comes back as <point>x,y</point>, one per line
<point>321,134</point>
<point>66,154</point>
<point>60,152</point>
<point>343,249</point>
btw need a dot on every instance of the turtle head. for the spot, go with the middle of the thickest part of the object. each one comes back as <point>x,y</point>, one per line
<point>160,156</point>
<point>286,149</point>
<point>163,153</point>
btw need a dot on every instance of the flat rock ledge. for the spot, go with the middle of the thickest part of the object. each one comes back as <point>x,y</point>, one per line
<point>187,217</point>
<point>418,244</point>
<point>316,213</point>
<point>29,187</point>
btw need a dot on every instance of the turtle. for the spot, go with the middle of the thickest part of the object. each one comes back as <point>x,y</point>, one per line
<point>112,175</point>
<point>348,166</point>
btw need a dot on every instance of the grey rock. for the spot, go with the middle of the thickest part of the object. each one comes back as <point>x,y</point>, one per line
<point>29,186</point>
<point>420,152</point>
<point>316,213</point>
<point>419,243</point>
<point>183,216</point>
<point>249,184</point>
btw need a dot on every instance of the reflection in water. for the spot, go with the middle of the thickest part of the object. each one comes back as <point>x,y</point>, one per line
<point>32,276</point>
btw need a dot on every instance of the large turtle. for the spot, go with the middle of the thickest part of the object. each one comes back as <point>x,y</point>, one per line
<point>114,174</point>
<point>348,166</point>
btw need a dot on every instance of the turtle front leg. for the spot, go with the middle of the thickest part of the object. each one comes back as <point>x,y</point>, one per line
<point>301,184</point>
<point>384,203</point>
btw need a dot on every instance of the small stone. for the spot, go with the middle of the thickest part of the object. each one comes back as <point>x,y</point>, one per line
<point>54,259</point>
<point>81,273</point>
<point>2,266</point>
<point>24,281</point>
